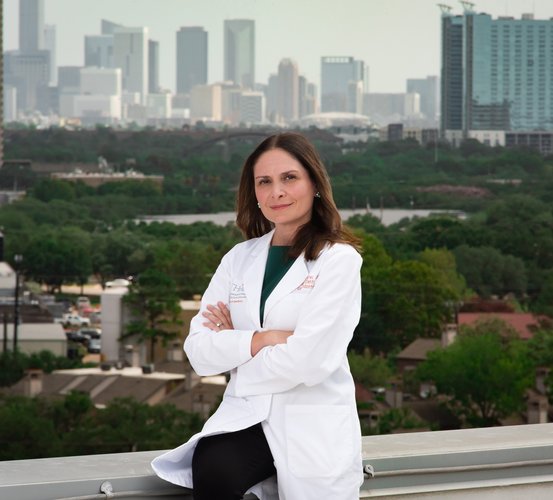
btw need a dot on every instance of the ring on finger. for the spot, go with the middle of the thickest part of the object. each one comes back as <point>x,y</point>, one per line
<point>218,324</point>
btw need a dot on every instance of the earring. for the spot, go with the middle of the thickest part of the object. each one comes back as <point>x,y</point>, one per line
<point>317,194</point>
<point>258,205</point>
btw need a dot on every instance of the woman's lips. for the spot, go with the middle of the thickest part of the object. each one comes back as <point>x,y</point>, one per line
<point>280,207</point>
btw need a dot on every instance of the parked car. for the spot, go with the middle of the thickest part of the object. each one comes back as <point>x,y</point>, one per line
<point>118,282</point>
<point>70,319</point>
<point>94,346</point>
<point>83,302</point>
<point>77,337</point>
<point>91,333</point>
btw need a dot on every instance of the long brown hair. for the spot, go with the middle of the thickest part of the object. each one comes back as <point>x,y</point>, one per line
<point>325,225</point>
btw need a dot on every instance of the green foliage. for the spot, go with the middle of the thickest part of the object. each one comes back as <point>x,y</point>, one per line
<point>540,346</point>
<point>443,261</point>
<point>57,257</point>
<point>369,370</point>
<point>13,366</point>
<point>485,372</point>
<point>522,226</point>
<point>392,420</point>
<point>38,428</point>
<point>67,231</point>
<point>401,300</point>
<point>489,272</point>
<point>50,189</point>
<point>155,307</point>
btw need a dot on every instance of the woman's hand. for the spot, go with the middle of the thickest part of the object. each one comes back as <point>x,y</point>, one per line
<point>218,317</point>
<point>268,338</point>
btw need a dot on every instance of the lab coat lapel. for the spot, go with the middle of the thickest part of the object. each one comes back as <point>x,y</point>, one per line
<point>253,276</point>
<point>292,279</point>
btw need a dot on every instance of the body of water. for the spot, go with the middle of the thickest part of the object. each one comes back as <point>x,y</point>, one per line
<point>387,216</point>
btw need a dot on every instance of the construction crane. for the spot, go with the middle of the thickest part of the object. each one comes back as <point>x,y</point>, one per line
<point>467,6</point>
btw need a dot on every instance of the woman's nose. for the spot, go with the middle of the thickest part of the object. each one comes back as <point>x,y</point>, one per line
<point>277,190</point>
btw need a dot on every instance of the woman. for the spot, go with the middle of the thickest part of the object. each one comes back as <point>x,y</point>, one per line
<point>278,314</point>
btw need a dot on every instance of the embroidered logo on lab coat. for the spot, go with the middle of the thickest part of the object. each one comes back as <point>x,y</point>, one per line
<point>237,293</point>
<point>308,283</point>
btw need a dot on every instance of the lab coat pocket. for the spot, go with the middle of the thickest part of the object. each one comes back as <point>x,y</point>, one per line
<point>319,439</point>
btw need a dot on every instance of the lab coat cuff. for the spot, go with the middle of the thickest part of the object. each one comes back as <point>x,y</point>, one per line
<point>244,344</point>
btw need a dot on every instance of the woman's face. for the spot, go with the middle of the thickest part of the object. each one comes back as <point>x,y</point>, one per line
<point>284,190</point>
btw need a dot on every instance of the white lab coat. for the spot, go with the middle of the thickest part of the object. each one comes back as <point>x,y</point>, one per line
<point>301,391</point>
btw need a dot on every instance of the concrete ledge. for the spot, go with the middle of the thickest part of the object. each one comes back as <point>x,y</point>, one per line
<point>470,463</point>
<point>492,463</point>
<point>82,477</point>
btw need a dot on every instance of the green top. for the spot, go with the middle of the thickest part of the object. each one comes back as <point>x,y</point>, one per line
<point>277,266</point>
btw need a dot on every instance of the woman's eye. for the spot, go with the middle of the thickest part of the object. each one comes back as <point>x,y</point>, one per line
<point>262,181</point>
<point>290,177</point>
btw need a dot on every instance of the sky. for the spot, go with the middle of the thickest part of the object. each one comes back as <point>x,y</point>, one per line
<point>398,39</point>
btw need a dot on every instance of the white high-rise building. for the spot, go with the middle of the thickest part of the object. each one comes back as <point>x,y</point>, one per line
<point>130,53</point>
<point>10,103</point>
<point>159,106</point>
<point>205,102</point>
<point>230,103</point>
<point>91,108</point>
<point>355,97</point>
<point>412,106</point>
<point>100,81</point>
<point>252,108</point>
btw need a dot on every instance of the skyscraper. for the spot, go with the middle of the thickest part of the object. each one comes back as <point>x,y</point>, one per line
<point>31,25</point>
<point>98,51</point>
<point>153,66</point>
<point>130,53</point>
<point>191,58</point>
<point>239,64</point>
<point>288,91</point>
<point>50,46</point>
<point>497,74</point>
<point>427,88</point>
<point>336,75</point>
<point>28,68</point>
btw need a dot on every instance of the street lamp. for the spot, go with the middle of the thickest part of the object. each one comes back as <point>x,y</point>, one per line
<point>17,259</point>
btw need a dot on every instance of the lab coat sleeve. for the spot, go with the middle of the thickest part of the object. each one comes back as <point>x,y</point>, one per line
<point>322,334</point>
<point>209,352</point>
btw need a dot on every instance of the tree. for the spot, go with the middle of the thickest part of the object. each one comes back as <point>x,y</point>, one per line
<point>51,189</point>
<point>13,365</point>
<point>127,425</point>
<point>485,372</point>
<point>59,256</point>
<point>401,301</point>
<point>443,261</point>
<point>154,304</point>
<point>540,346</point>
<point>488,271</point>
<point>522,226</point>
<point>369,370</point>
<point>40,428</point>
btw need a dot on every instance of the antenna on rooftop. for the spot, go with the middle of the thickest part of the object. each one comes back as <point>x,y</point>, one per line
<point>446,9</point>
<point>467,6</point>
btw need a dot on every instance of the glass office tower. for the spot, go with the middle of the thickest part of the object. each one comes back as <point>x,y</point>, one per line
<point>504,80</point>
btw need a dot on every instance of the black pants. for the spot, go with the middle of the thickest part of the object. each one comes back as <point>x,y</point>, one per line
<point>225,466</point>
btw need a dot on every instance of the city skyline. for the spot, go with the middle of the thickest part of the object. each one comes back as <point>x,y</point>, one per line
<point>397,39</point>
